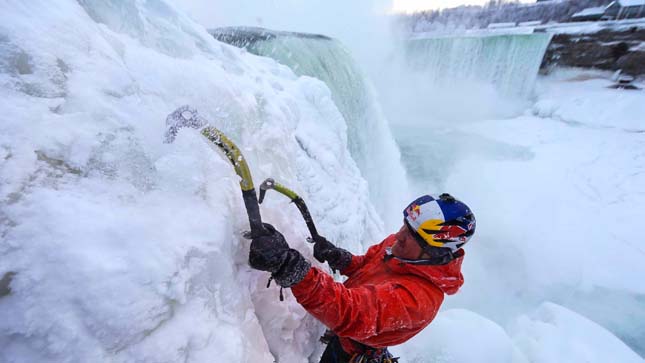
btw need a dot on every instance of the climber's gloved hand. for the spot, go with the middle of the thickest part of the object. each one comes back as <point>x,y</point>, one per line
<point>336,257</point>
<point>270,252</point>
<point>267,250</point>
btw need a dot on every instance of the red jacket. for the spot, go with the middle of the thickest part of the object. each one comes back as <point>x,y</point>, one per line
<point>382,303</point>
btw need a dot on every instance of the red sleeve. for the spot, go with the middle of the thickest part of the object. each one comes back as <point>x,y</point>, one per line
<point>376,315</point>
<point>359,261</point>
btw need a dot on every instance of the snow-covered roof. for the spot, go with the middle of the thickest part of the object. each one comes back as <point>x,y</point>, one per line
<point>599,10</point>
<point>627,3</point>
<point>530,23</point>
<point>500,25</point>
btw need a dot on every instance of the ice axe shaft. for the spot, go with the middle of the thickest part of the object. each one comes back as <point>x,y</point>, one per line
<point>186,116</point>
<point>295,198</point>
<point>242,169</point>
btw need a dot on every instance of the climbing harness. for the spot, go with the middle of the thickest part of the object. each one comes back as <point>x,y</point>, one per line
<point>374,356</point>
<point>335,353</point>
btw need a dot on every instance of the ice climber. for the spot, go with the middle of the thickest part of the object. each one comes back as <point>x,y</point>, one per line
<point>391,293</point>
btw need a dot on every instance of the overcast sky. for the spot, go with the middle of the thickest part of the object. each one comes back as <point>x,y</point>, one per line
<point>257,12</point>
<point>337,18</point>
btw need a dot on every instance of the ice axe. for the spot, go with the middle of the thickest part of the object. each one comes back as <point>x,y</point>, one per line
<point>269,183</point>
<point>188,117</point>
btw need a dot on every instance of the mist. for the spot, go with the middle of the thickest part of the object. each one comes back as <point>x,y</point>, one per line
<point>361,25</point>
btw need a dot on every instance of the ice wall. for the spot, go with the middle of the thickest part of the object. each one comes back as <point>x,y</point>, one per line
<point>123,248</point>
<point>368,135</point>
<point>510,62</point>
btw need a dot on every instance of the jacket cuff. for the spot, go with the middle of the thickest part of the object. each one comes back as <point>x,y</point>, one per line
<point>293,270</point>
<point>354,263</point>
<point>343,259</point>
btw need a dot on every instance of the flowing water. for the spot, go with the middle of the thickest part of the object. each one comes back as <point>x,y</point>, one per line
<point>510,62</point>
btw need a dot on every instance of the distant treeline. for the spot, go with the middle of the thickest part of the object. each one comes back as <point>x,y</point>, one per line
<point>496,11</point>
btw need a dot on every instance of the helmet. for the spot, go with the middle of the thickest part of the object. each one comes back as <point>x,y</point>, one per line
<point>440,221</point>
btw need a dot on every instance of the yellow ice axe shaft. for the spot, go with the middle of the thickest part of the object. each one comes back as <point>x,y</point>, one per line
<point>188,117</point>
<point>236,158</point>
<point>295,198</point>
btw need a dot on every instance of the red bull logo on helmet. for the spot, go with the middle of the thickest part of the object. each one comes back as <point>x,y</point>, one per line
<point>451,232</point>
<point>413,211</point>
<point>421,210</point>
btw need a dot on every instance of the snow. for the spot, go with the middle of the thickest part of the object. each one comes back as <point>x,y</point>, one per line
<point>573,337</point>
<point>550,333</point>
<point>628,3</point>
<point>448,32</point>
<point>557,192</point>
<point>529,23</point>
<point>580,27</point>
<point>600,132</point>
<point>127,249</point>
<point>500,25</point>
<point>590,11</point>
<point>584,27</point>
<point>458,335</point>
<point>586,101</point>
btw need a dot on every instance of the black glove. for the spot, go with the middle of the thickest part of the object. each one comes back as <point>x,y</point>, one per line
<point>270,252</point>
<point>336,257</point>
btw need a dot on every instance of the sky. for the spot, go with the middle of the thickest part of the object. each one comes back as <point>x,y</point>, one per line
<point>285,13</point>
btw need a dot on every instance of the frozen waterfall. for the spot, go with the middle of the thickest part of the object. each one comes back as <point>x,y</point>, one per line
<point>510,61</point>
<point>368,135</point>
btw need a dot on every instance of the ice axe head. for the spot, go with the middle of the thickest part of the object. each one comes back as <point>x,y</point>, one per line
<point>184,116</point>
<point>268,183</point>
